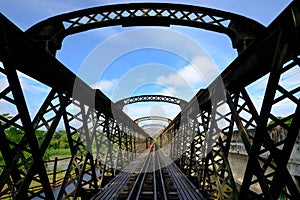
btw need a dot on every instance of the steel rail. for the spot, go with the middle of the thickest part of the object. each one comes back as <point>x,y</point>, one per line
<point>153,171</point>
<point>111,191</point>
<point>154,158</point>
<point>161,174</point>
<point>137,181</point>
<point>145,171</point>
<point>186,190</point>
<point>144,176</point>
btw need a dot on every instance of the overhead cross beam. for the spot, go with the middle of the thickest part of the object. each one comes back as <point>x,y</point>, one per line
<point>51,32</point>
<point>151,98</point>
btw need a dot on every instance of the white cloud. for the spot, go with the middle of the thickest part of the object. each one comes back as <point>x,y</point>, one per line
<point>7,107</point>
<point>170,91</point>
<point>198,73</point>
<point>127,41</point>
<point>33,91</point>
<point>3,83</point>
<point>29,84</point>
<point>105,85</point>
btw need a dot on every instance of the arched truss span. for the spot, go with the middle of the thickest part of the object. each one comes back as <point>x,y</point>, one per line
<point>52,31</point>
<point>147,98</point>
<point>148,118</point>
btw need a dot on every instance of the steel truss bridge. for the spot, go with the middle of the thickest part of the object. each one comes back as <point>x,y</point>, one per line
<point>199,147</point>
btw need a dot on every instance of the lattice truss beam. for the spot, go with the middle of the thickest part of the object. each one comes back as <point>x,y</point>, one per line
<point>52,31</point>
<point>271,172</point>
<point>98,144</point>
<point>154,98</point>
<point>200,147</point>
<point>200,140</point>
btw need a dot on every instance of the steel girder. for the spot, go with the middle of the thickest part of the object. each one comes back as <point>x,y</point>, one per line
<point>89,123</point>
<point>147,98</point>
<point>275,56</point>
<point>52,31</point>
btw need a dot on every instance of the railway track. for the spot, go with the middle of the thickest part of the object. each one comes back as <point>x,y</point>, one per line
<point>150,178</point>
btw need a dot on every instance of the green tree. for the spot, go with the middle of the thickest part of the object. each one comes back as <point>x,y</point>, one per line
<point>288,122</point>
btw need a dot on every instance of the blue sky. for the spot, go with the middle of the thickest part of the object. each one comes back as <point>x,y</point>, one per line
<point>153,69</point>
